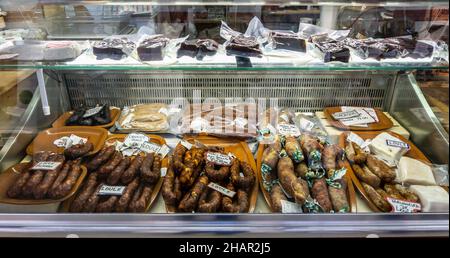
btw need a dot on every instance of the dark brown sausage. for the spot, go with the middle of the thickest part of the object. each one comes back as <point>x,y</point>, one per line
<point>247,180</point>
<point>78,150</point>
<point>116,174</point>
<point>190,200</point>
<point>16,189</point>
<point>151,172</point>
<point>137,194</point>
<point>88,189</point>
<point>37,177</point>
<point>68,184</point>
<point>146,167</point>
<point>91,203</point>
<point>104,155</point>
<point>107,168</point>
<point>61,176</point>
<point>217,173</point>
<point>141,204</point>
<point>40,191</point>
<point>210,201</point>
<point>125,199</point>
<point>132,170</point>
<point>108,205</point>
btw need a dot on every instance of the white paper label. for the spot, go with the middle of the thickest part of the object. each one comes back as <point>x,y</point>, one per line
<point>135,139</point>
<point>399,206</point>
<point>111,190</point>
<point>397,144</point>
<point>128,152</point>
<point>163,151</point>
<point>352,137</point>
<point>345,115</point>
<point>92,112</point>
<point>288,130</point>
<point>364,118</point>
<point>46,165</point>
<point>218,158</point>
<point>150,147</point>
<point>186,144</point>
<point>67,142</point>
<point>306,125</point>
<point>290,207</point>
<point>163,172</point>
<point>240,122</point>
<point>222,190</point>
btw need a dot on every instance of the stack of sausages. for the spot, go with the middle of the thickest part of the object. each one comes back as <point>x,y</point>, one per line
<point>139,175</point>
<point>303,169</point>
<point>46,184</point>
<point>186,189</point>
<point>377,178</point>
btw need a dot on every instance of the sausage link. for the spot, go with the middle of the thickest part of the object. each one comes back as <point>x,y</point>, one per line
<point>107,168</point>
<point>16,189</point>
<point>83,196</point>
<point>40,191</point>
<point>319,192</point>
<point>58,181</point>
<point>78,150</point>
<point>91,203</point>
<point>108,205</point>
<point>132,170</point>
<point>125,199</point>
<point>190,200</point>
<point>141,204</point>
<point>117,173</point>
<point>65,188</point>
<point>210,201</point>
<point>104,155</point>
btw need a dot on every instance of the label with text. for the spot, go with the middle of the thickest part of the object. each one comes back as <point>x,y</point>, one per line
<point>135,139</point>
<point>345,115</point>
<point>288,130</point>
<point>218,158</point>
<point>222,190</point>
<point>306,125</point>
<point>150,147</point>
<point>186,144</point>
<point>92,112</point>
<point>399,206</point>
<point>46,165</point>
<point>111,190</point>
<point>290,207</point>
<point>397,144</point>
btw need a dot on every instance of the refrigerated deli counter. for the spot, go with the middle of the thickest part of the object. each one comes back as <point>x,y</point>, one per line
<point>223,118</point>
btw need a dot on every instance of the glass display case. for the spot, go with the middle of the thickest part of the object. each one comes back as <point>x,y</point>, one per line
<point>218,118</point>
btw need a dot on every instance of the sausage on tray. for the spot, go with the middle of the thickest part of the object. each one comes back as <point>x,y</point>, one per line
<point>381,169</point>
<point>115,175</point>
<point>190,200</point>
<point>58,181</point>
<point>338,197</point>
<point>91,203</point>
<point>137,194</point>
<point>132,170</point>
<point>125,199</point>
<point>141,204</point>
<point>276,196</point>
<point>377,198</point>
<point>210,201</point>
<point>40,191</point>
<point>107,206</point>
<point>169,191</point>
<point>36,179</point>
<point>104,155</point>
<point>151,170</point>
<point>68,184</point>
<point>78,150</point>
<point>16,189</point>
<point>245,180</point>
<point>365,175</point>
<point>107,168</point>
<point>88,189</point>
<point>319,191</point>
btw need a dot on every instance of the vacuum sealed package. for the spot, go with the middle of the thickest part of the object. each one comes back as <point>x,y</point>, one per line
<point>229,120</point>
<point>198,49</point>
<point>114,47</point>
<point>152,117</point>
<point>327,45</point>
<point>309,123</point>
<point>241,44</point>
<point>157,49</point>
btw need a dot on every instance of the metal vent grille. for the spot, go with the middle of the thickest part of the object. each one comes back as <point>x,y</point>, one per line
<point>306,92</point>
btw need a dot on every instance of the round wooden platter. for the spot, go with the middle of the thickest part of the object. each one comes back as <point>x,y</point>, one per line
<point>44,140</point>
<point>61,121</point>
<point>414,153</point>
<point>8,177</point>
<point>383,124</point>
<point>239,149</point>
<point>350,189</point>
<point>156,188</point>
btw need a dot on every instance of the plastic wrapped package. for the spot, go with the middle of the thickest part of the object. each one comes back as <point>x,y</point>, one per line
<point>234,120</point>
<point>153,117</point>
<point>241,44</point>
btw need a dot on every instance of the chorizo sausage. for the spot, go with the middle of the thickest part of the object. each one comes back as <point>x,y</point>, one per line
<point>108,205</point>
<point>78,150</point>
<point>16,189</point>
<point>61,176</point>
<point>365,175</point>
<point>210,201</point>
<point>40,191</point>
<point>91,203</point>
<point>319,191</point>
<point>245,180</point>
<point>141,204</point>
<point>132,170</point>
<point>190,200</point>
<point>125,199</point>
<point>107,168</point>
<point>104,155</point>
<point>88,189</point>
<point>115,175</point>
<point>217,173</point>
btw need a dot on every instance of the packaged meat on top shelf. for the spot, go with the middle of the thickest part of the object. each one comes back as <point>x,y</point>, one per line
<point>125,176</point>
<point>392,174</point>
<point>98,116</point>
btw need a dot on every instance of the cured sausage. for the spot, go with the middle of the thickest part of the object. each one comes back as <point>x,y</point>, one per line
<point>101,158</point>
<point>16,189</point>
<point>210,201</point>
<point>107,168</point>
<point>132,170</point>
<point>125,199</point>
<point>88,189</point>
<point>61,176</point>
<point>245,180</point>
<point>65,188</point>
<point>190,200</point>
<point>319,191</point>
<point>116,174</point>
<point>78,150</point>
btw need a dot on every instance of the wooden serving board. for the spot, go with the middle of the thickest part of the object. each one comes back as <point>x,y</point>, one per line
<point>350,189</point>
<point>383,124</point>
<point>44,140</point>
<point>61,121</point>
<point>414,153</point>
<point>156,188</point>
<point>10,176</point>
<point>239,149</point>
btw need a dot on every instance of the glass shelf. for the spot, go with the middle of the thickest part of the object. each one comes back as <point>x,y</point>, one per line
<point>227,66</point>
<point>395,3</point>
